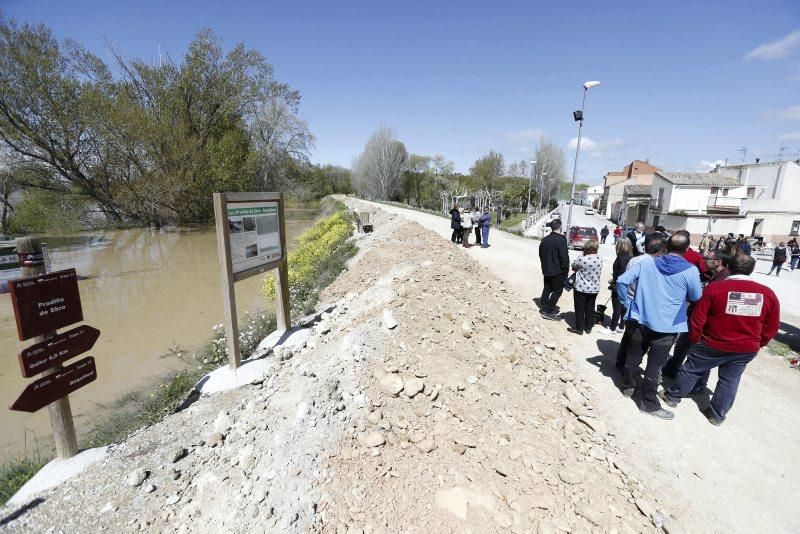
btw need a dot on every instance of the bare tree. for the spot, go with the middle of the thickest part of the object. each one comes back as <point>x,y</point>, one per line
<point>378,171</point>
<point>282,140</point>
<point>550,159</point>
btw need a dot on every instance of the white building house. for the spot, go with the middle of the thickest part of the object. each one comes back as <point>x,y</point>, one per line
<point>589,197</point>
<point>761,199</point>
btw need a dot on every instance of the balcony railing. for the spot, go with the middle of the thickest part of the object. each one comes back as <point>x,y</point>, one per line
<point>721,202</point>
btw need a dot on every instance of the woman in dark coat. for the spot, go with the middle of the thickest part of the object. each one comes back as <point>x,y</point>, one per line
<point>455,224</point>
<point>624,254</point>
<point>778,259</point>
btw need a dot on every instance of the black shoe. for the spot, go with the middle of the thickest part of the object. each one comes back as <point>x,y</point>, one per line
<point>588,331</point>
<point>661,413</point>
<point>667,399</point>
<point>551,316</point>
<point>575,331</point>
<point>628,392</point>
<point>711,417</point>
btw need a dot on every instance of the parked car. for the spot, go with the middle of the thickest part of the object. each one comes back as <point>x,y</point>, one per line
<point>589,211</point>
<point>579,235</point>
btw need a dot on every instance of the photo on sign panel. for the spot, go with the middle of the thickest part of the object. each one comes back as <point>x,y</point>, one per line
<point>249,224</point>
<point>235,226</point>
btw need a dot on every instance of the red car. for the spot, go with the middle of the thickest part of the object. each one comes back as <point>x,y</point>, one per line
<point>579,235</point>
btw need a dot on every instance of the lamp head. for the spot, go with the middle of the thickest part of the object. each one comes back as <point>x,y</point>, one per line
<point>589,85</point>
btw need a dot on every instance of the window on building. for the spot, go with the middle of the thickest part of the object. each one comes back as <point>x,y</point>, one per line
<point>795,228</point>
<point>725,192</point>
<point>714,190</point>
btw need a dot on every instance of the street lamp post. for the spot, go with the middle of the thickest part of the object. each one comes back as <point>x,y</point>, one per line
<point>541,193</point>
<point>578,115</point>
<point>530,183</point>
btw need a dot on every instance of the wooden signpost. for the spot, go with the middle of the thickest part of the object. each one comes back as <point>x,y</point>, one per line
<point>44,302</point>
<point>251,240</point>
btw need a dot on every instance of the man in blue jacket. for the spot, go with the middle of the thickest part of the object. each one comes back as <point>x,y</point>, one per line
<point>664,287</point>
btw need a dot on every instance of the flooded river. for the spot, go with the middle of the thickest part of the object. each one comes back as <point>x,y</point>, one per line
<point>148,291</point>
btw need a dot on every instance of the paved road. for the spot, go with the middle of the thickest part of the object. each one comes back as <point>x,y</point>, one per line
<point>741,477</point>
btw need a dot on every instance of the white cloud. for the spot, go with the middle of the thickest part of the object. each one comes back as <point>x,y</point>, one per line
<point>791,136</point>
<point>708,165</point>
<point>529,134</point>
<point>595,149</point>
<point>776,49</point>
<point>791,113</point>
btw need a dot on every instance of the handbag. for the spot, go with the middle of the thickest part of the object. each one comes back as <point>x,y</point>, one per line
<point>569,283</point>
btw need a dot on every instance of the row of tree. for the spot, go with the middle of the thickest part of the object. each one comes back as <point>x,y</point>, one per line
<point>386,171</point>
<point>143,143</point>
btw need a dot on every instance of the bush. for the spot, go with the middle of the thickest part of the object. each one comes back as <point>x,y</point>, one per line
<point>15,472</point>
<point>319,257</point>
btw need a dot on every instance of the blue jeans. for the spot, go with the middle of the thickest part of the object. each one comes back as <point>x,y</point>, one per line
<point>795,261</point>
<point>484,236</point>
<point>702,359</point>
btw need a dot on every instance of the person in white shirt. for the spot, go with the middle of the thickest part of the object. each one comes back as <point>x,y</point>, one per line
<point>466,225</point>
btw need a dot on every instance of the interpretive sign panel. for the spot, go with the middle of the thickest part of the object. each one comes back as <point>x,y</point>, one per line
<point>254,232</point>
<point>49,353</point>
<point>251,240</point>
<point>45,302</point>
<point>42,392</point>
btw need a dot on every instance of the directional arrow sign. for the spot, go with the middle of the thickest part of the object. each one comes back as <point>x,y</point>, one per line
<point>49,353</point>
<point>42,392</point>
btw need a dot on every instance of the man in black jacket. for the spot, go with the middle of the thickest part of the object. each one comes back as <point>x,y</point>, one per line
<point>555,267</point>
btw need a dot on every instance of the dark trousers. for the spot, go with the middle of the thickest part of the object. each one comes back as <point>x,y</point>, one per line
<point>702,359</point>
<point>584,309</point>
<point>551,292</point>
<point>618,310</point>
<point>682,345</point>
<point>656,345</point>
<point>457,234</point>
<point>477,235</point>
<point>603,238</point>
<point>624,344</point>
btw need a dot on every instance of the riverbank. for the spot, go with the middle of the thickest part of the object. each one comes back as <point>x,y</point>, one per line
<point>404,410</point>
<point>316,259</point>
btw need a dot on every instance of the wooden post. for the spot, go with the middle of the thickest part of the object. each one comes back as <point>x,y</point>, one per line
<point>228,293</point>
<point>60,410</point>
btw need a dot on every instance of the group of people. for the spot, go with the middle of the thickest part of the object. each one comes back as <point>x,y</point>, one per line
<point>462,222</point>
<point>664,294</point>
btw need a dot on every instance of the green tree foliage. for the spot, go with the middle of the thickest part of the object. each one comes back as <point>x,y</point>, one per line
<point>151,144</point>
<point>488,169</point>
<point>45,212</point>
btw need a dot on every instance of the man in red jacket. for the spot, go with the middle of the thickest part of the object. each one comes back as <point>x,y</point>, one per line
<point>730,323</point>
<point>694,257</point>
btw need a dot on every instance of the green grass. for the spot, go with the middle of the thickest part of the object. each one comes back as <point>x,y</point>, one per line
<point>781,349</point>
<point>512,222</point>
<point>17,471</point>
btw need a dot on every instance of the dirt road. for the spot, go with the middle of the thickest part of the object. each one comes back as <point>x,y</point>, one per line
<point>742,476</point>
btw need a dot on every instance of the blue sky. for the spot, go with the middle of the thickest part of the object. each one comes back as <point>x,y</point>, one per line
<point>683,82</point>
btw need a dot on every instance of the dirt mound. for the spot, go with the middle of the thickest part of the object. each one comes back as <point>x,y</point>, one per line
<point>427,399</point>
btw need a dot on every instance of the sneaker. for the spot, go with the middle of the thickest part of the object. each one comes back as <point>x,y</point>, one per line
<point>551,316</point>
<point>661,413</point>
<point>575,331</point>
<point>711,417</point>
<point>628,392</point>
<point>667,399</point>
<point>615,331</point>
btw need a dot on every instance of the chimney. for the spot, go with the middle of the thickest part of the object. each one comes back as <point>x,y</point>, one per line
<point>716,167</point>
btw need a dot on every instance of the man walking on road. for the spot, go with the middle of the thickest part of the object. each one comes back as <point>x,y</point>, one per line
<point>664,285</point>
<point>554,257</point>
<point>735,318</point>
<point>604,234</point>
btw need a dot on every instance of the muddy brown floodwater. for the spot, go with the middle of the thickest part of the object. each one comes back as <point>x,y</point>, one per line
<point>148,291</point>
